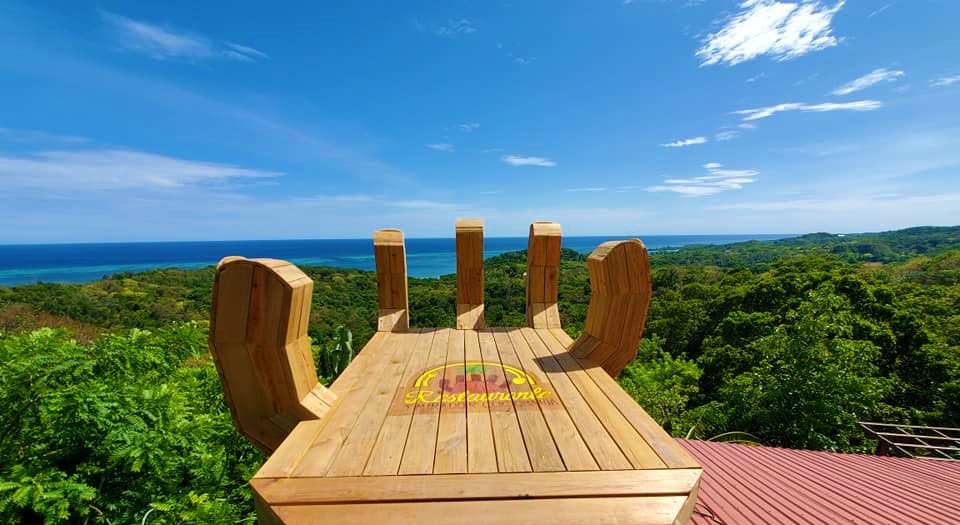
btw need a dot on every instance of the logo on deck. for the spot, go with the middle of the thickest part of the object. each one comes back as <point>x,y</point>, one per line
<point>473,385</point>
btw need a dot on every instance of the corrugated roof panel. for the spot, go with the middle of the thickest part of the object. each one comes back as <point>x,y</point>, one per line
<point>744,485</point>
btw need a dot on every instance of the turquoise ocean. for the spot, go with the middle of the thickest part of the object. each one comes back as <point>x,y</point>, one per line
<point>31,263</point>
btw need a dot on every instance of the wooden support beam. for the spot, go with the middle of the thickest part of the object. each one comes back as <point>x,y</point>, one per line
<point>543,275</point>
<point>258,337</point>
<point>620,293</point>
<point>469,274</point>
<point>391,259</point>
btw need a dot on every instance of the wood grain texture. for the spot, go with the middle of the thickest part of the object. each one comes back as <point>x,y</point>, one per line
<point>507,436</point>
<point>541,447</point>
<point>543,274</point>
<point>502,425</point>
<point>621,291</point>
<point>469,238</point>
<point>258,338</point>
<point>418,454</point>
<point>647,510</point>
<point>481,449</point>
<point>451,454</point>
<point>295,491</point>
<point>670,452</point>
<point>390,256</point>
<point>640,454</point>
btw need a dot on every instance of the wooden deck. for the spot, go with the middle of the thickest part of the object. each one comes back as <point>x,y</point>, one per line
<point>444,425</point>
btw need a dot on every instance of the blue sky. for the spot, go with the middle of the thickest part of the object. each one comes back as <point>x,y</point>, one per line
<point>196,120</point>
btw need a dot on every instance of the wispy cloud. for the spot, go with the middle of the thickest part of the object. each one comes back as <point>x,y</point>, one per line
<point>462,26</point>
<point>746,125</point>
<point>756,77</point>
<point>468,126</point>
<point>420,204</point>
<point>769,111</point>
<point>726,135</point>
<point>32,136</point>
<point>685,142</point>
<point>580,190</point>
<point>106,169</point>
<point>443,146</point>
<point>781,30</point>
<point>517,160</point>
<point>328,200</point>
<point>874,77</point>
<point>945,81</point>
<point>878,11</point>
<point>717,181</point>
<point>884,203</point>
<point>164,43</point>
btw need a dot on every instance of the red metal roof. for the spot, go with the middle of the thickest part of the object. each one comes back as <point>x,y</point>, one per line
<point>745,485</point>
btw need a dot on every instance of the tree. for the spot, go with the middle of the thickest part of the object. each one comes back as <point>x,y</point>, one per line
<point>811,382</point>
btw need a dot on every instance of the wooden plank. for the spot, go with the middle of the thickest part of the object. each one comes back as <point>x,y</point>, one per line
<point>358,445</point>
<point>283,460</point>
<point>469,249</point>
<point>630,441</point>
<point>574,451</point>
<point>686,512</point>
<point>341,420</point>
<point>391,264</point>
<point>441,487</point>
<point>259,344</point>
<point>507,436</point>
<point>392,433</point>
<point>451,454</point>
<point>653,510</point>
<point>232,288</point>
<point>543,270</point>
<point>370,352</point>
<point>481,450</point>
<point>605,451</point>
<point>541,448</point>
<point>421,442</point>
<point>265,514</point>
<point>671,453</point>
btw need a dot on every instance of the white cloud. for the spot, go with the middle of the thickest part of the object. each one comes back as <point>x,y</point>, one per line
<point>782,30</point>
<point>891,204</point>
<point>878,11</point>
<point>769,111</point>
<point>945,81</point>
<point>746,125</point>
<point>163,43</point>
<point>522,61</point>
<point>719,180</point>
<point>423,204</point>
<point>516,160</point>
<point>579,190</point>
<point>326,200</point>
<point>468,126</point>
<point>87,170</point>
<point>685,142</point>
<point>449,148</point>
<point>456,27</point>
<point>874,77</point>
<point>725,135</point>
<point>756,78</point>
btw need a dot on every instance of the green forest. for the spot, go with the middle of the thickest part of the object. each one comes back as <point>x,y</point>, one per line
<point>113,412</point>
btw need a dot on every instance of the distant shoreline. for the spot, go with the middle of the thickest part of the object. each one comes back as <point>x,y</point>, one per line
<point>426,257</point>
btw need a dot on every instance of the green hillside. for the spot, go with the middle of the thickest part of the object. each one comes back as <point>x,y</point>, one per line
<point>113,408</point>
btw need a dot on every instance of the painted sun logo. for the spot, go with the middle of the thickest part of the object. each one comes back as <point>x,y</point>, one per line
<point>475,385</point>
